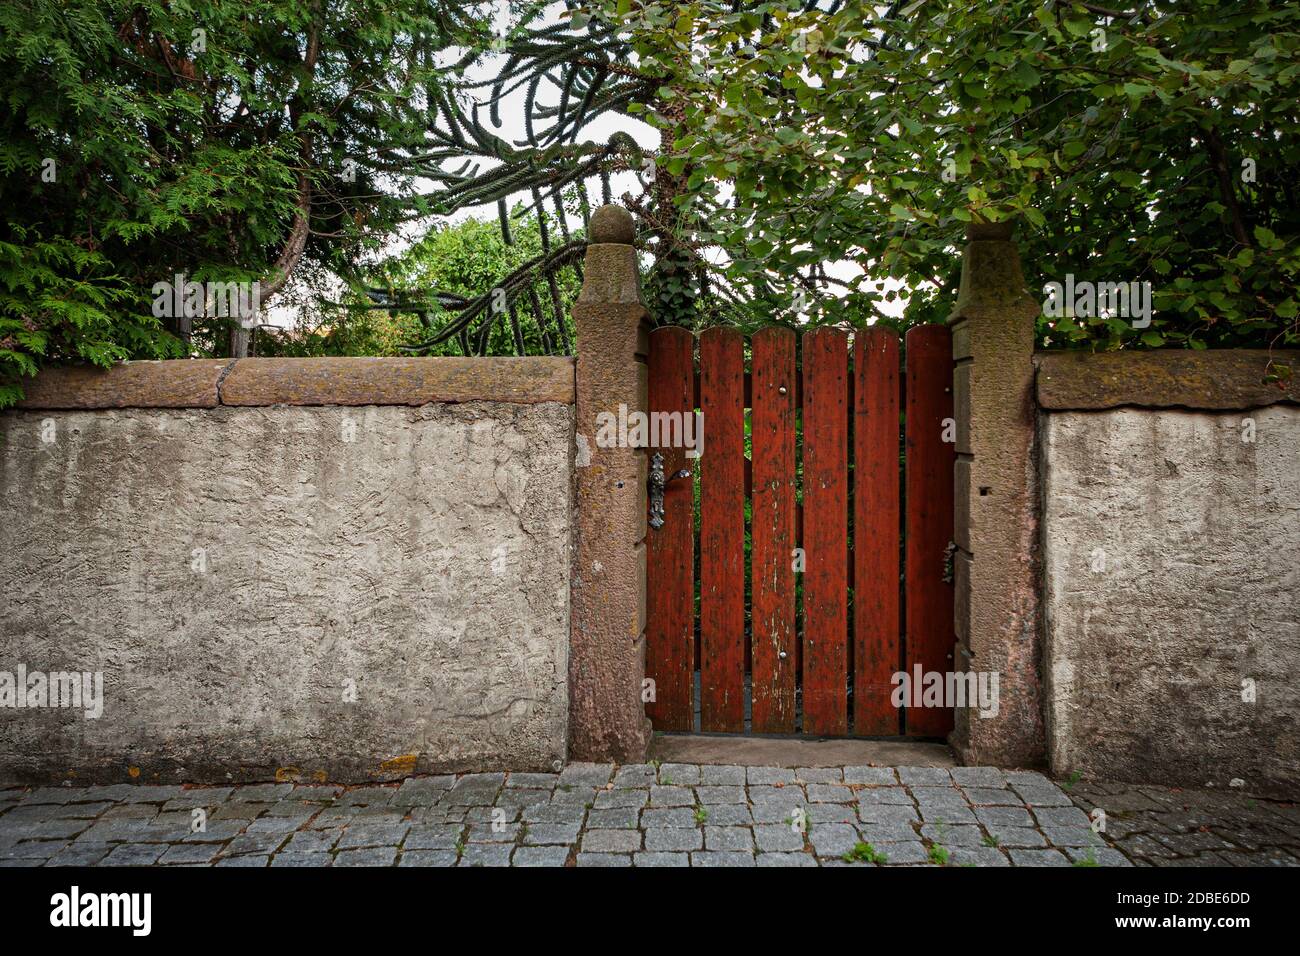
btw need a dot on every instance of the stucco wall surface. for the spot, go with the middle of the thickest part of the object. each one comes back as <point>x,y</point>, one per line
<point>342,593</point>
<point>1173,595</point>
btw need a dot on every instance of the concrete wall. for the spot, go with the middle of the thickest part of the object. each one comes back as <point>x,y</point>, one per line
<point>298,589</point>
<point>1172,589</point>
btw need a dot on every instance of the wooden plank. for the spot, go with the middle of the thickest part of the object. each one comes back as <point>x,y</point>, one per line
<point>772,429</point>
<point>876,612</point>
<point>825,501</point>
<point>670,549</point>
<point>929,495</point>
<point>722,531</point>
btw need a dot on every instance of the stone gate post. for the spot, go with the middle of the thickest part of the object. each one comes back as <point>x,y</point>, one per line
<point>997,616</point>
<point>607,719</point>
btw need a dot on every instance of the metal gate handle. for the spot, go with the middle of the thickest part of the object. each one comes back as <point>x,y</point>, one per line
<point>656,484</point>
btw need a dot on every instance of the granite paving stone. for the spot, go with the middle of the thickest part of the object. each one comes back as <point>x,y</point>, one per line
<point>722,776</point>
<point>1043,796</point>
<point>728,838</point>
<point>720,794</point>
<point>543,856</point>
<point>774,812</point>
<point>1102,856</point>
<point>724,858</point>
<point>611,841</point>
<point>494,833</point>
<point>429,858</point>
<point>567,794</point>
<point>1072,836</point>
<point>728,814</point>
<point>635,775</point>
<point>775,837</point>
<point>875,833</point>
<point>679,774</point>
<point>904,854</point>
<point>978,856</point>
<point>433,836</point>
<point>661,796</point>
<point>828,793</point>
<point>79,854</point>
<point>1038,858</point>
<point>985,777</point>
<point>1016,836</point>
<point>950,836</point>
<point>619,819</point>
<point>301,860</point>
<point>785,859</point>
<point>533,781</point>
<point>990,797</point>
<point>833,839</point>
<point>515,801</point>
<point>367,856</point>
<point>616,799</point>
<point>924,776</point>
<point>134,854</point>
<point>948,815</point>
<point>422,791</point>
<point>886,795</point>
<point>256,843</point>
<point>831,813</point>
<point>819,775</point>
<point>872,776</point>
<point>190,853</point>
<point>371,834</point>
<point>673,838</point>
<point>653,859</point>
<point>667,817</point>
<point>586,775</point>
<point>1004,816</point>
<point>311,841</point>
<point>261,793</point>
<point>768,775</point>
<point>486,854</point>
<point>1061,817</point>
<point>556,813</point>
<point>559,834</point>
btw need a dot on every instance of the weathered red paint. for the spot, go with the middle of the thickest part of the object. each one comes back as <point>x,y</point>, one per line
<point>722,531</point>
<point>670,549</point>
<point>772,615</point>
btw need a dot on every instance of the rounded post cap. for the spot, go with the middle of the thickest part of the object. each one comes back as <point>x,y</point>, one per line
<point>611,223</point>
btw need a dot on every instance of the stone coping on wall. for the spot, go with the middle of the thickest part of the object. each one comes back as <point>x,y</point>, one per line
<point>207,383</point>
<point>1212,379</point>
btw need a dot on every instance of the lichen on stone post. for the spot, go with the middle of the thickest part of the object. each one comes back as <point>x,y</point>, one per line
<point>607,637</point>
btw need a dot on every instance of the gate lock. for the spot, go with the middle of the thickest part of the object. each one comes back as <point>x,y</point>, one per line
<point>656,484</point>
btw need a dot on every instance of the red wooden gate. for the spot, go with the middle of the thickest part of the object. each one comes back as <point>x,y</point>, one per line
<point>843,579</point>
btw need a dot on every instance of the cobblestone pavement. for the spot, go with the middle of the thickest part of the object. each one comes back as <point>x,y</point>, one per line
<point>648,815</point>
